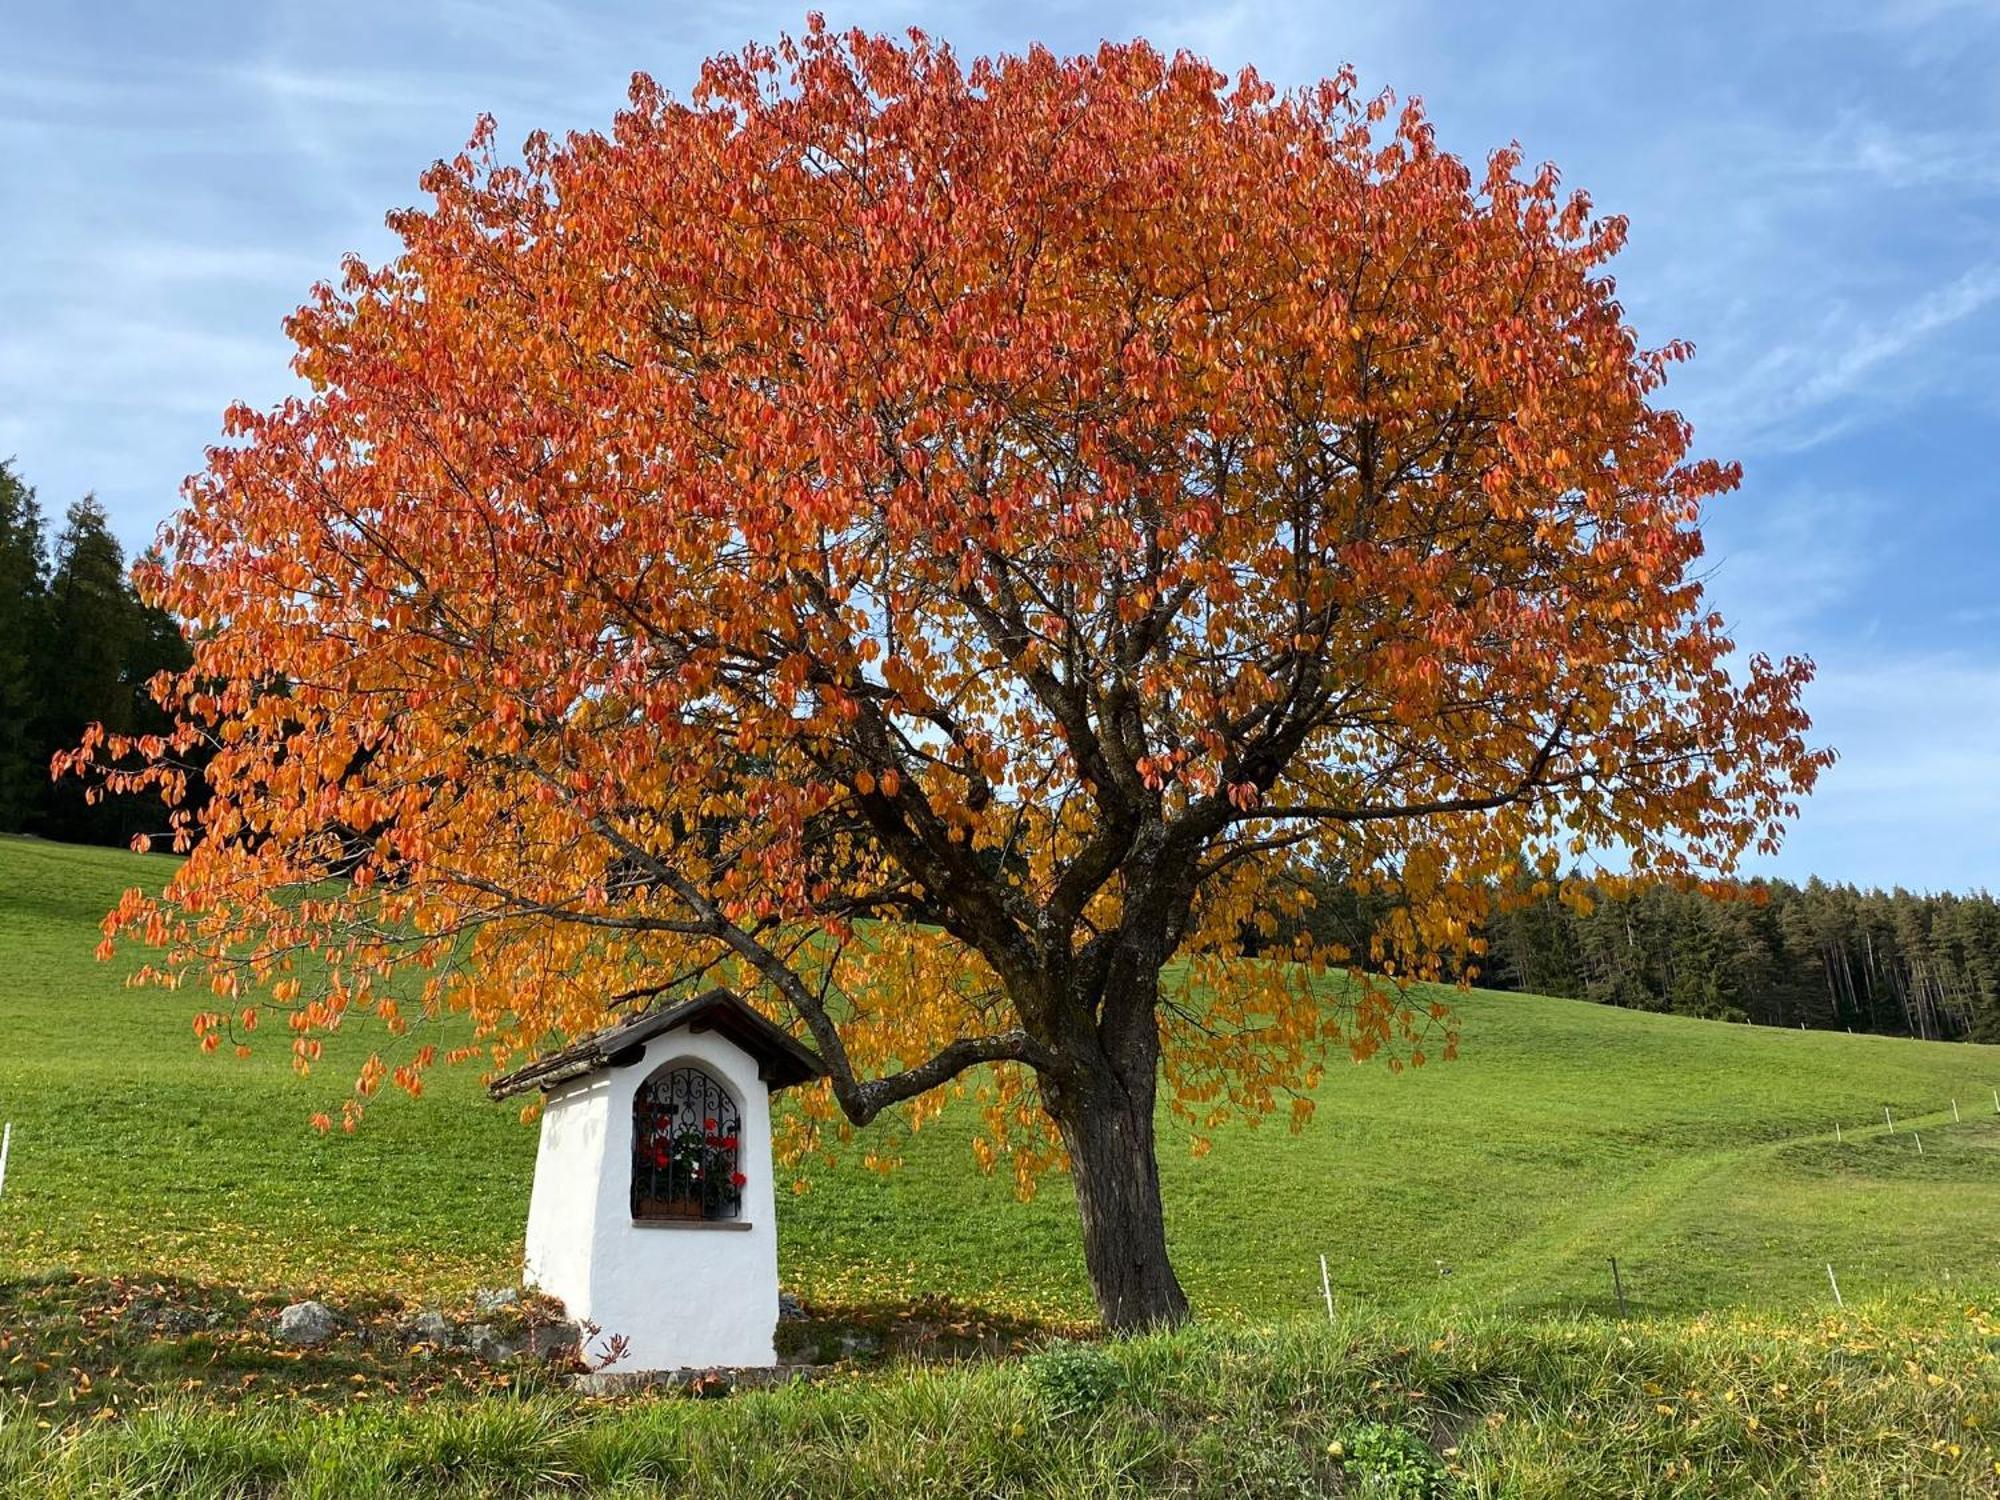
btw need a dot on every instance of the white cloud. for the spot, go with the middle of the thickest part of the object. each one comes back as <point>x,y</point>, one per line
<point>1902,157</point>
<point>1287,43</point>
<point>1814,382</point>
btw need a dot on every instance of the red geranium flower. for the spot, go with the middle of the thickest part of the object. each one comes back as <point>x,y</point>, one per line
<point>737,1179</point>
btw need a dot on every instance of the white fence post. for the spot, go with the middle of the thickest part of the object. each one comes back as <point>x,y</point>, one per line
<point>6,1141</point>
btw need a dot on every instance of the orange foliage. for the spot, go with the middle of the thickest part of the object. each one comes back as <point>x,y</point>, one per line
<point>929,544</point>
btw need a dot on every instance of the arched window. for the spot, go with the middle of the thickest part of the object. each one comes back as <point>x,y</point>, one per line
<point>685,1129</point>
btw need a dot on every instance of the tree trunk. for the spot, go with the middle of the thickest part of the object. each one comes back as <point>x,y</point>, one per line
<point>1107,1126</point>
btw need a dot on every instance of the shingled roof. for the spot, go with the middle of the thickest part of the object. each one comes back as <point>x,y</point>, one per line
<point>781,1060</point>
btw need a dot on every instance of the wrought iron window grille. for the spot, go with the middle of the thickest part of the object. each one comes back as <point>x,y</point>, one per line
<point>686,1132</point>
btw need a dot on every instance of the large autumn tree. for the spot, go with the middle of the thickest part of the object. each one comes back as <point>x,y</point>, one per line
<point>945,548</point>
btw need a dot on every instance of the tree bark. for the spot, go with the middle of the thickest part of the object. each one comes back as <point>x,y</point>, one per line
<point>1106,1120</point>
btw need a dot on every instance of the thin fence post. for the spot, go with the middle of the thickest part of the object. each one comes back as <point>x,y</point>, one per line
<point>1618,1286</point>
<point>1890,1118</point>
<point>6,1142</point>
<point>1954,1112</point>
<point>1836,1285</point>
<point>1836,1133</point>
<point>1326,1288</point>
<point>1918,1138</point>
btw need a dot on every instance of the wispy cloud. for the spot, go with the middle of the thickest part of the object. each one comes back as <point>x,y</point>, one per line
<point>1290,44</point>
<point>381,90</point>
<point>1899,156</point>
<point>1819,381</point>
<point>155,263</point>
<point>163,367</point>
<point>1783,564</point>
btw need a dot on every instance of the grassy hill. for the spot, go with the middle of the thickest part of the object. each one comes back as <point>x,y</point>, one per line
<point>1702,1155</point>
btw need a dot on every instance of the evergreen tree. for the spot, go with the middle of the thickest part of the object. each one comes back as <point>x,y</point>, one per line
<point>1776,954</point>
<point>23,639</point>
<point>95,627</point>
<point>77,646</point>
<point>156,645</point>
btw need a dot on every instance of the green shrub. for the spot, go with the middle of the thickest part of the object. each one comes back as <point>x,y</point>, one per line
<point>1389,1462</point>
<point>1074,1378</point>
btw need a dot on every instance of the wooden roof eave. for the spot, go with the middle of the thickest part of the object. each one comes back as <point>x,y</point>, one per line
<point>782,1060</point>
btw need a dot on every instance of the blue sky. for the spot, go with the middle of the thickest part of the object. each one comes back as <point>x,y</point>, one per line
<point>1814,192</point>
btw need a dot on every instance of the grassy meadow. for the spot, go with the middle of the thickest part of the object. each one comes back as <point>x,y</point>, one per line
<point>1467,1211</point>
<point>1702,1155</point>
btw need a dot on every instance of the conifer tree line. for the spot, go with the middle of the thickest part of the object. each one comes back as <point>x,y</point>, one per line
<point>77,646</point>
<point>1826,956</point>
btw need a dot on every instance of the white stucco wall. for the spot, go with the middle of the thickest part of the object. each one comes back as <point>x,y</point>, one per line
<point>685,1294</point>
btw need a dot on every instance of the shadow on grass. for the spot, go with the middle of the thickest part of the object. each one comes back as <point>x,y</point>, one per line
<point>77,1347</point>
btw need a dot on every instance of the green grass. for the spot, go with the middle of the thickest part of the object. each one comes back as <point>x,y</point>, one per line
<point>1467,1212</point>
<point>1898,1401</point>
<point>1700,1154</point>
